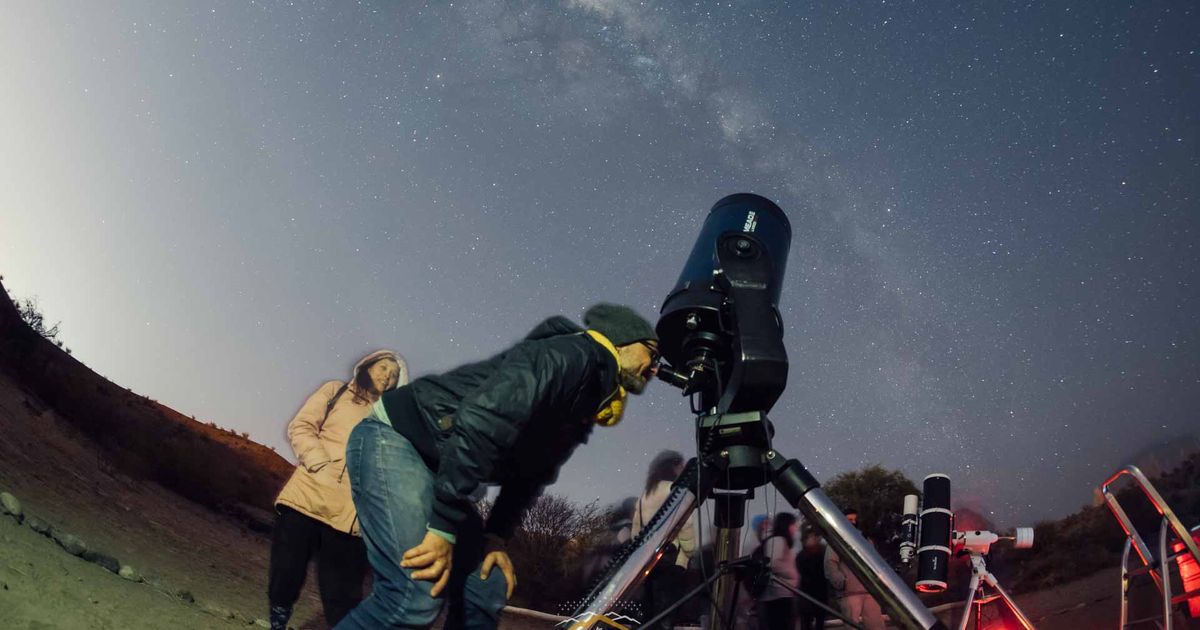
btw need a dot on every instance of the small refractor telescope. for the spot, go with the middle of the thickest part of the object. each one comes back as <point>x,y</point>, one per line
<point>932,524</point>
<point>935,531</point>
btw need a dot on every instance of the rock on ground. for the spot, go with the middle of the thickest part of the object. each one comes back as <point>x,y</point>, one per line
<point>217,611</point>
<point>108,562</point>
<point>39,526</point>
<point>71,543</point>
<point>129,573</point>
<point>11,506</point>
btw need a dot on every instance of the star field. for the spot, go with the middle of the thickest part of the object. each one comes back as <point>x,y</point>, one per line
<point>994,205</point>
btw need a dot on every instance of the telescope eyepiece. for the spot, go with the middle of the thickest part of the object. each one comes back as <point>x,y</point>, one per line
<point>671,377</point>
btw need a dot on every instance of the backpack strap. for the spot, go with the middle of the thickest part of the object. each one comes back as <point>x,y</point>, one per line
<point>333,401</point>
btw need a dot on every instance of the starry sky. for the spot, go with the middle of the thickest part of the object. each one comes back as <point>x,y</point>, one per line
<point>995,209</point>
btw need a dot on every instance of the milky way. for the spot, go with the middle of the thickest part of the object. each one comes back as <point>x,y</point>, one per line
<point>994,206</point>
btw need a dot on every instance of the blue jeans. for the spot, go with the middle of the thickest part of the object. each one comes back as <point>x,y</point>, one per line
<point>393,493</point>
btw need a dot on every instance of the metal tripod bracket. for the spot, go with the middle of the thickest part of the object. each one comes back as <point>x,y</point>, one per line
<point>977,597</point>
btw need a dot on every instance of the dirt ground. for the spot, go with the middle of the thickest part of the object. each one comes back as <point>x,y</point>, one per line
<point>1094,602</point>
<point>42,587</point>
<point>61,477</point>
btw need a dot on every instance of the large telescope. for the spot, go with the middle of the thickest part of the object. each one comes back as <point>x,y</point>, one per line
<point>721,335</point>
<point>720,325</point>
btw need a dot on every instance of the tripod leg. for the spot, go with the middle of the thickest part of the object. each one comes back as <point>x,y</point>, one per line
<point>729,515</point>
<point>1012,605</point>
<point>972,593</point>
<point>822,605</point>
<point>627,571</point>
<point>649,624</point>
<point>801,490</point>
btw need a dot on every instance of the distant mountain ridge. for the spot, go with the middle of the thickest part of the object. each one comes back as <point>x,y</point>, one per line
<point>1161,458</point>
<point>1156,460</point>
<point>144,438</point>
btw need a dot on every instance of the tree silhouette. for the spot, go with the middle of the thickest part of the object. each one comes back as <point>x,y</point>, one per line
<point>550,547</point>
<point>878,495</point>
<point>32,315</point>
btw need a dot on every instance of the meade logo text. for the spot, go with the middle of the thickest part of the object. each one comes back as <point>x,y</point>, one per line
<point>751,222</point>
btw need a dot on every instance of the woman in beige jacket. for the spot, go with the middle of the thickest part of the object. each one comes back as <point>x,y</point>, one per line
<point>316,512</point>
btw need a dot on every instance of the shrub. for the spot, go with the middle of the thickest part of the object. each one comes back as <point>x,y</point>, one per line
<point>31,314</point>
<point>549,550</point>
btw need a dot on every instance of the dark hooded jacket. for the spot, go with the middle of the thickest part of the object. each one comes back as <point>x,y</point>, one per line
<point>511,420</point>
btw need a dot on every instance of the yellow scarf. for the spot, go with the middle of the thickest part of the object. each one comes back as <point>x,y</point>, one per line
<point>613,407</point>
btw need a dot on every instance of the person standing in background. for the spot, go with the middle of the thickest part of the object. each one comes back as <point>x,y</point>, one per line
<point>316,515</point>
<point>615,536</point>
<point>810,564</point>
<point>664,585</point>
<point>761,526</point>
<point>777,601</point>
<point>747,616</point>
<point>856,602</point>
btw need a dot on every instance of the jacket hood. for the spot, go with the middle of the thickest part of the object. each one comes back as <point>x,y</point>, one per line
<point>383,354</point>
<point>553,327</point>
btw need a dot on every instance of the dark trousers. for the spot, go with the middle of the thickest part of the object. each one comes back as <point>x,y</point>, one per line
<point>341,564</point>
<point>812,617</point>
<point>663,587</point>
<point>779,613</point>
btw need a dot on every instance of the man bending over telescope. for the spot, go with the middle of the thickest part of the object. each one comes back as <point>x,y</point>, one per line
<point>511,420</point>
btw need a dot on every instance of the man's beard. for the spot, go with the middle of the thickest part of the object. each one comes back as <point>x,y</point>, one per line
<point>633,383</point>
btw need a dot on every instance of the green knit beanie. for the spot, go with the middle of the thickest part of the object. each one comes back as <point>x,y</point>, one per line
<point>621,324</point>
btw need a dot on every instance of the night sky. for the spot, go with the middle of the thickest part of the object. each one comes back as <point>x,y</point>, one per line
<point>994,206</point>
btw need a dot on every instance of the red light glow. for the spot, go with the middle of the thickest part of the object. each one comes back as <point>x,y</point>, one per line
<point>1189,572</point>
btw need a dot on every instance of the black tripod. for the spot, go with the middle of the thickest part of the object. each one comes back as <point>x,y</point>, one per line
<point>737,568</point>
